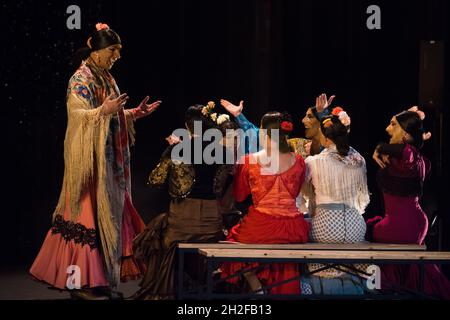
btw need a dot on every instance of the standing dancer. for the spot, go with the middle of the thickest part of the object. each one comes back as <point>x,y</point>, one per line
<point>95,221</point>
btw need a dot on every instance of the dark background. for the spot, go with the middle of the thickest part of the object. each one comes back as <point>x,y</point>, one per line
<point>275,55</point>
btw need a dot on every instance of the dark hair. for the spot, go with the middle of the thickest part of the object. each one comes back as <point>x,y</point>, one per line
<point>100,39</point>
<point>410,122</point>
<point>272,120</point>
<point>227,125</point>
<point>194,113</point>
<point>336,132</point>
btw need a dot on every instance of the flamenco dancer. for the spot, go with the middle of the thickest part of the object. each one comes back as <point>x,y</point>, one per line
<point>273,216</point>
<point>336,185</point>
<point>403,170</point>
<point>95,220</point>
<point>200,198</point>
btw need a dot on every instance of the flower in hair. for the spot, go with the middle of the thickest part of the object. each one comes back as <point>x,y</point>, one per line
<point>344,118</point>
<point>222,118</point>
<point>336,111</point>
<point>213,117</point>
<point>208,109</point>
<point>287,126</point>
<point>416,110</point>
<point>342,115</point>
<point>211,104</point>
<point>101,26</point>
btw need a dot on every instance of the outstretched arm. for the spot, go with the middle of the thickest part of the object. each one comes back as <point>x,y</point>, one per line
<point>143,109</point>
<point>236,111</point>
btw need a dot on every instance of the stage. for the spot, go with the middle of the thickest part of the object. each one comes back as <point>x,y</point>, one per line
<point>17,284</point>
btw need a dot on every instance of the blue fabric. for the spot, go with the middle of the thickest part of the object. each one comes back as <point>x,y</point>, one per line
<point>246,125</point>
<point>343,285</point>
<point>320,115</point>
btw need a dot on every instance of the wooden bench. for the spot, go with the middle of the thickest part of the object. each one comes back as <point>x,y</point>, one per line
<point>216,256</point>
<point>364,252</point>
<point>304,246</point>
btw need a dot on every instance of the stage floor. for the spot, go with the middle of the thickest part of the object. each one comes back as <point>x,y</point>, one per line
<point>17,284</point>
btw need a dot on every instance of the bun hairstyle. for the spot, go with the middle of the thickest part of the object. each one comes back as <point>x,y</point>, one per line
<point>194,113</point>
<point>333,129</point>
<point>102,38</point>
<point>412,123</point>
<point>283,123</point>
<point>227,125</point>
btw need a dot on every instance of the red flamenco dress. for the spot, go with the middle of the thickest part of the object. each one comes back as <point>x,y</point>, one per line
<point>272,219</point>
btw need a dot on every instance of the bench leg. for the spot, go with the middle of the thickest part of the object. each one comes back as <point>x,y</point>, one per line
<point>180,278</point>
<point>209,277</point>
<point>421,277</point>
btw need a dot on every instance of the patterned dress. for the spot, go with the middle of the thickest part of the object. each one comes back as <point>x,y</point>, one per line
<point>95,220</point>
<point>337,190</point>
<point>194,216</point>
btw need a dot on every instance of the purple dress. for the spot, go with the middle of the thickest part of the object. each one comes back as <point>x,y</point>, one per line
<point>404,221</point>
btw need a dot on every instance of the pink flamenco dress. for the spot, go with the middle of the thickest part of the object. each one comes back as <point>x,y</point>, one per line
<point>404,221</point>
<point>80,240</point>
<point>272,219</point>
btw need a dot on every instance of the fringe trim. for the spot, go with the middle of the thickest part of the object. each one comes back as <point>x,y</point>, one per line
<point>130,126</point>
<point>84,152</point>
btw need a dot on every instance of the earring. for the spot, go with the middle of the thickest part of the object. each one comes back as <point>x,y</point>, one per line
<point>404,139</point>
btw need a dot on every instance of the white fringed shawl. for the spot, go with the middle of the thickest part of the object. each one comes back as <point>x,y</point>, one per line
<point>85,163</point>
<point>331,178</point>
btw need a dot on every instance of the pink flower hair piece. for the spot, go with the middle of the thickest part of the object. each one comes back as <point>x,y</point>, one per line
<point>101,26</point>
<point>416,110</point>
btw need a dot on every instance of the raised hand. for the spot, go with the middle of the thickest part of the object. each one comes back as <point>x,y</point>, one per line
<point>173,139</point>
<point>112,105</point>
<point>145,109</point>
<point>382,161</point>
<point>322,102</point>
<point>231,108</point>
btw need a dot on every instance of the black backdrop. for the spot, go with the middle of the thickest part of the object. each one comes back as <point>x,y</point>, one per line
<point>273,54</point>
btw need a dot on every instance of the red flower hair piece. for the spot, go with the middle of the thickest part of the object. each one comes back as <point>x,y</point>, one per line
<point>336,111</point>
<point>287,126</point>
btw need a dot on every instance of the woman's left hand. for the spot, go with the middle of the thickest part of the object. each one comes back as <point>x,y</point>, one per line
<point>145,109</point>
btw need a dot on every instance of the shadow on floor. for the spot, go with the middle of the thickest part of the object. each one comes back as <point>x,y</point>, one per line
<point>17,284</point>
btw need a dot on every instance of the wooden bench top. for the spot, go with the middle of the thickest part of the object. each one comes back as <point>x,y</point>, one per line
<point>307,246</point>
<point>325,254</point>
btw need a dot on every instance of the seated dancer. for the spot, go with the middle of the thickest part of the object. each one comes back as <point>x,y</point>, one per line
<point>194,214</point>
<point>401,177</point>
<point>336,185</point>
<point>301,146</point>
<point>273,217</point>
